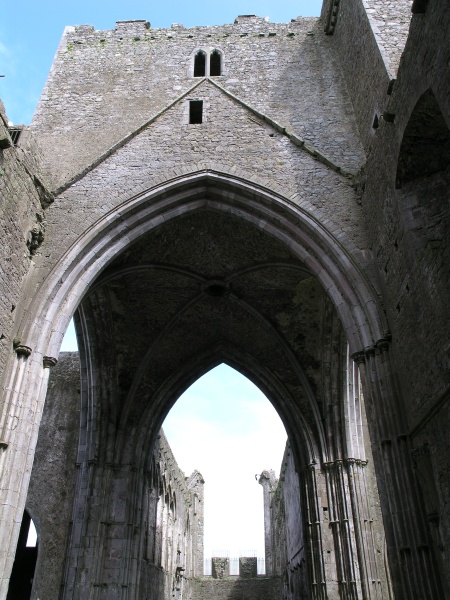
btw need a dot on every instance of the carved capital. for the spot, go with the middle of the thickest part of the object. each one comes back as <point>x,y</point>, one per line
<point>22,350</point>
<point>49,362</point>
<point>383,344</point>
<point>370,351</point>
<point>327,465</point>
<point>355,461</point>
<point>359,357</point>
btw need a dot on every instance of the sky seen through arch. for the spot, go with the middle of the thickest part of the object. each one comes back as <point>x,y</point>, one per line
<point>226,428</point>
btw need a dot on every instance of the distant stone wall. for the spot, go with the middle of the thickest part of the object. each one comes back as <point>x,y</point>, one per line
<point>173,527</point>
<point>236,588</point>
<point>284,528</point>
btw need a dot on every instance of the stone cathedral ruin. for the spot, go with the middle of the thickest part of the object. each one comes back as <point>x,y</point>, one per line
<point>271,196</point>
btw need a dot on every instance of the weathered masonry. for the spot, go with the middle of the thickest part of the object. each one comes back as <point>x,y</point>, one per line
<point>171,505</point>
<point>270,196</point>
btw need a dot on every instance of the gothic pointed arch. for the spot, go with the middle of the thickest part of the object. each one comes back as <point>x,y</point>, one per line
<point>215,63</point>
<point>323,253</point>
<point>257,300</point>
<point>200,61</point>
<point>425,148</point>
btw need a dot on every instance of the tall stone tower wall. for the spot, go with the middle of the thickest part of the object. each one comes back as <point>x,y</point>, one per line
<point>114,82</point>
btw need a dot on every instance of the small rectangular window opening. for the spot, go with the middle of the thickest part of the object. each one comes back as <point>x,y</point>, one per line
<point>195,112</point>
<point>15,133</point>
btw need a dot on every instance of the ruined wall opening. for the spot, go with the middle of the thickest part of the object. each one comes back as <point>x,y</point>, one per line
<point>225,427</point>
<point>24,566</point>
<point>425,148</point>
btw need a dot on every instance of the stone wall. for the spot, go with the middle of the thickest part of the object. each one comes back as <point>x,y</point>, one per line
<point>389,21</point>
<point>173,526</point>
<point>362,62</point>
<point>279,69</point>
<point>284,527</point>
<point>22,225</point>
<point>278,161</point>
<point>53,479</point>
<point>408,215</point>
<point>236,588</point>
<point>172,516</point>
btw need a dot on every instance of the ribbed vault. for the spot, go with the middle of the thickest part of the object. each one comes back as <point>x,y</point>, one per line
<point>204,288</point>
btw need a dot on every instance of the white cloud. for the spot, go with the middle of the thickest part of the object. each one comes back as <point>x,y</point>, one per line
<point>226,428</point>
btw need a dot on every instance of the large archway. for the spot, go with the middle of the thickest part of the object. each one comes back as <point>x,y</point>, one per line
<point>200,271</point>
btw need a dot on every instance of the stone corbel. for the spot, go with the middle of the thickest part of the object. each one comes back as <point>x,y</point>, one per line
<point>49,362</point>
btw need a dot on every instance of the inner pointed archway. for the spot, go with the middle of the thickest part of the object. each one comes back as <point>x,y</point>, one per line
<point>227,429</point>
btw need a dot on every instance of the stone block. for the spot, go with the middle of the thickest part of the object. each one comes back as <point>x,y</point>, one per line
<point>220,567</point>
<point>248,566</point>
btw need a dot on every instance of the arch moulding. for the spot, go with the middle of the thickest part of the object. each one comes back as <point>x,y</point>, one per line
<point>355,299</point>
<point>46,318</point>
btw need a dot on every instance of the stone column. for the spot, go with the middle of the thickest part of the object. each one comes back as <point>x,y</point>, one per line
<point>268,481</point>
<point>19,426</point>
<point>317,583</point>
<point>411,561</point>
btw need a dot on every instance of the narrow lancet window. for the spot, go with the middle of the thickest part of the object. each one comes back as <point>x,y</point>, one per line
<point>215,64</point>
<point>200,64</point>
<point>195,112</point>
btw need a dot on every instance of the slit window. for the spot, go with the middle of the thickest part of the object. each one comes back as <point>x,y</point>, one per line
<point>200,64</point>
<point>215,66</point>
<point>195,112</point>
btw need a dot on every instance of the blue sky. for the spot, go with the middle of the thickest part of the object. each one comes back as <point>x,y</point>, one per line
<point>222,425</point>
<point>30,32</point>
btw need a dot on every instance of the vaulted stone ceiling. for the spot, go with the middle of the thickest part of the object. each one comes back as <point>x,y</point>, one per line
<point>201,289</point>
